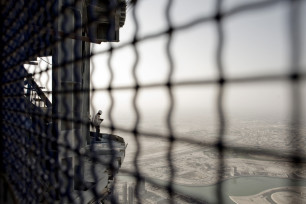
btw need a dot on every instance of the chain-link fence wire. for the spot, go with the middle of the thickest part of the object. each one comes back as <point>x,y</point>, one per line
<point>30,138</point>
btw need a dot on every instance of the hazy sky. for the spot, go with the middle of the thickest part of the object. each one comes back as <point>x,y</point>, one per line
<point>256,43</point>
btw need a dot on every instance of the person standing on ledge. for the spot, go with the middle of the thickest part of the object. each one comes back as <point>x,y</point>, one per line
<point>97,122</point>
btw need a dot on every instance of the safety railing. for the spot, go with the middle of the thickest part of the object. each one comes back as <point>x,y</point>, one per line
<point>50,151</point>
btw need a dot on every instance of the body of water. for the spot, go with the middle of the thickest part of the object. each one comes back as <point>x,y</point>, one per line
<point>237,186</point>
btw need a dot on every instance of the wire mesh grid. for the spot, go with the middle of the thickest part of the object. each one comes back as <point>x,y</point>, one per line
<point>48,152</point>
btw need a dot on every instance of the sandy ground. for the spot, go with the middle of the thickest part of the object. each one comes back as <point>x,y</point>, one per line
<point>282,195</point>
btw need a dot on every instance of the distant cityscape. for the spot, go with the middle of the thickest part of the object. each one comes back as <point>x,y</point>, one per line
<point>200,166</point>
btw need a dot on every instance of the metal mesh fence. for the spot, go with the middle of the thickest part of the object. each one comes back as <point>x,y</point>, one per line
<point>50,152</point>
